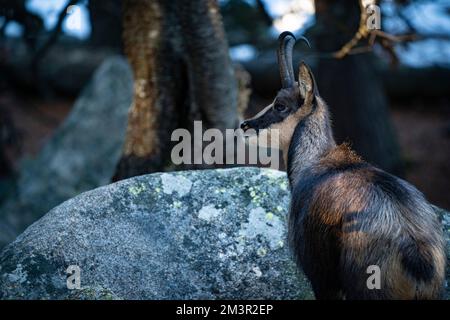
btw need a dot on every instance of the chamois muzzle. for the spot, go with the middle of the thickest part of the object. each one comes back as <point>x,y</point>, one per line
<point>245,126</point>
<point>286,42</point>
<point>249,124</point>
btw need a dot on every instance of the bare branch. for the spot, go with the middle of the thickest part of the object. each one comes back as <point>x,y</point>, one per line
<point>40,53</point>
<point>262,9</point>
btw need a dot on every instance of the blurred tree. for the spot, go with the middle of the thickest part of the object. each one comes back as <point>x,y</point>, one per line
<point>10,139</point>
<point>15,10</point>
<point>50,41</point>
<point>353,88</point>
<point>246,23</point>
<point>106,23</point>
<point>182,72</point>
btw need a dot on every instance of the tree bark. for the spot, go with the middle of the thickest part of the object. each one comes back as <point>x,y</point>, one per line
<point>182,72</point>
<point>353,89</point>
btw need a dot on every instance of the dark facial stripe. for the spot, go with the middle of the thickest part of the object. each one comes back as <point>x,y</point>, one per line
<point>267,119</point>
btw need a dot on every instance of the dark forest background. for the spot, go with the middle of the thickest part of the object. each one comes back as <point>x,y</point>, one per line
<point>216,62</point>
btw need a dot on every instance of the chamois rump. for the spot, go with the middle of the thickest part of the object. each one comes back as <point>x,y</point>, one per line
<point>345,214</point>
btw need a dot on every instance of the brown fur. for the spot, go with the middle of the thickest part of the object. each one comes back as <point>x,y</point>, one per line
<point>337,207</point>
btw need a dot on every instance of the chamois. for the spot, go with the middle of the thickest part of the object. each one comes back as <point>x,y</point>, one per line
<point>346,215</point>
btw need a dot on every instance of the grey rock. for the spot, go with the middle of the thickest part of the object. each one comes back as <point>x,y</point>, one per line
<point>212,234</point>
<point>82,153</point>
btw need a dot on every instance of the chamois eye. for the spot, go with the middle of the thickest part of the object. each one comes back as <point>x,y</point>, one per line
<point>280,107</point>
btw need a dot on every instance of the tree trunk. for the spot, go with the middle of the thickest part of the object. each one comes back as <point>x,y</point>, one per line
<point>182,72</point>
<point>352,88</point>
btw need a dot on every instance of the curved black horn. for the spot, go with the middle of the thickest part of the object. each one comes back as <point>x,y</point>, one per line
<point>305,40</point>
<point>286,42</point>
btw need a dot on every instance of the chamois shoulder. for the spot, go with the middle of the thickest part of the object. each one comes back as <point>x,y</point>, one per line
<point>342,174</point>
<point>341,156</point>
<point>342,168</point>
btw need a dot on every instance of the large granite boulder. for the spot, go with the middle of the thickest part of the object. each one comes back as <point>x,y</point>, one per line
<point>81,155</point>
<point>184,235</point>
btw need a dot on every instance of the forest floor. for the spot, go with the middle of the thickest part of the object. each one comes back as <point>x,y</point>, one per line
<point>423,133</point>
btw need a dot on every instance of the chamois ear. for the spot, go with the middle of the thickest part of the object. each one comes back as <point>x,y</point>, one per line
<point>306,82</point>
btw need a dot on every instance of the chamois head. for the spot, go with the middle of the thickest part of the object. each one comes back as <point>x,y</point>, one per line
<point>293,102</point>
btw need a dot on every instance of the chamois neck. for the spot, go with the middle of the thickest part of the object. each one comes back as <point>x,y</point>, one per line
<point>312,139</point>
